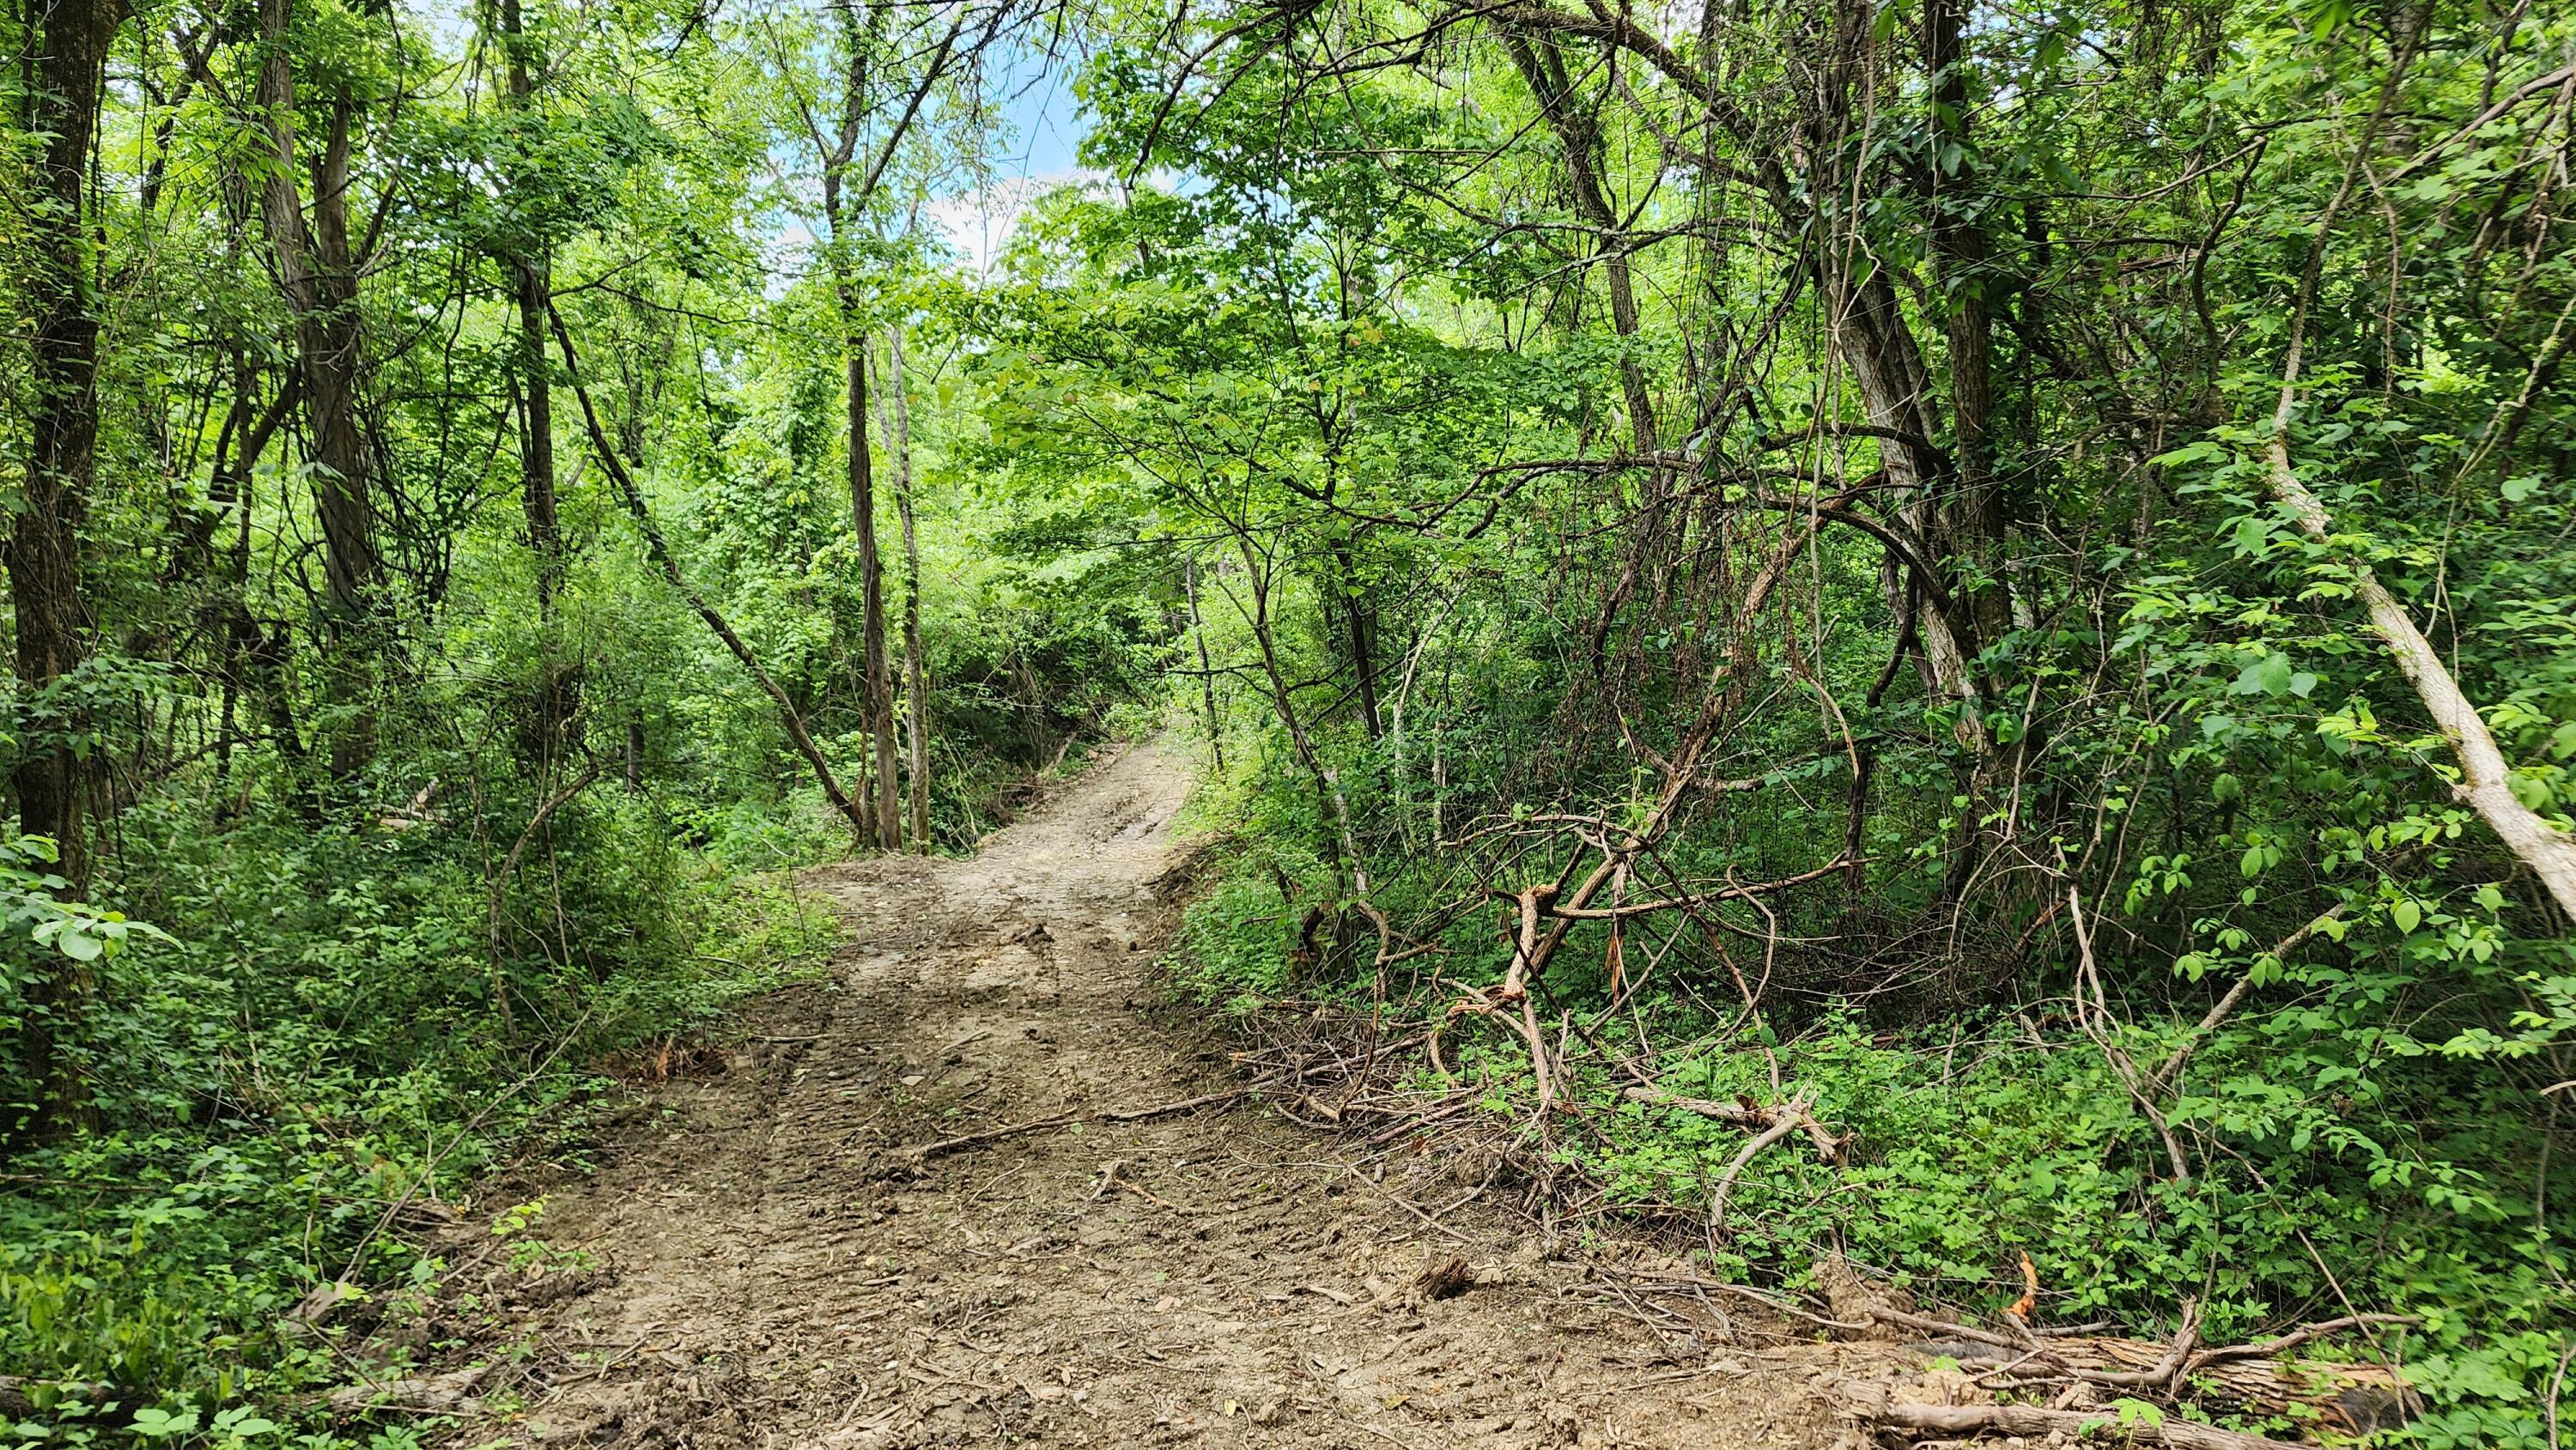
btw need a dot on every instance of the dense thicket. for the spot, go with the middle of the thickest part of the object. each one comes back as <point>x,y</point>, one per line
<point>474,515</point>
<point>2002,574</point>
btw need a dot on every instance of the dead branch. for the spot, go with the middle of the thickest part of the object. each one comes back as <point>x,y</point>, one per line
<point>1781,1127</point>
<point>2486,778</point>
<point>921,1153</point>
<point>1685,903</point>
<point>660,551</point>
<point>1795,1112</point>
<point>1872,1403</point>
<point>2296,1337</point>
<point>2132,1364</point>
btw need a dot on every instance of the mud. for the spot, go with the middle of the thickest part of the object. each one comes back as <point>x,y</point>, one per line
<point>752,1260</point>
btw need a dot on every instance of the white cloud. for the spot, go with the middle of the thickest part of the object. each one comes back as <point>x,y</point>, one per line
<point>979,223</point>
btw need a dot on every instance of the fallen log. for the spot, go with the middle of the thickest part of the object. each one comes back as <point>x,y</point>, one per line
<point>18,1395</point>
<point>446,1394</point>
<point>2260,1377</point>
<point>2032,1422</point>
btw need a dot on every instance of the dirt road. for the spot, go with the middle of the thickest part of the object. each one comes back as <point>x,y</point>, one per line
<point>772,1271</point>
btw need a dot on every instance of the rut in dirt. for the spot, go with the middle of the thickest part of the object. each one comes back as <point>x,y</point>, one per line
<point>776,1270</point>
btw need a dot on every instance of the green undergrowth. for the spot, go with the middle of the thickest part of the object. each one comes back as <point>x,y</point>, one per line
<point>323,1039</point>
<point>2328,1173</point>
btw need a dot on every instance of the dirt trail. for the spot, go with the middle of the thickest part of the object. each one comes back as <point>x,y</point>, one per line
<point>770,1277</point>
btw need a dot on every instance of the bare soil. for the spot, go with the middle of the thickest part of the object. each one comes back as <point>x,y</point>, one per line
<point>772,1269</point>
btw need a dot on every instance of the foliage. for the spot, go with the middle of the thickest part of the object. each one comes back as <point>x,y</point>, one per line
<point>1867,512</point>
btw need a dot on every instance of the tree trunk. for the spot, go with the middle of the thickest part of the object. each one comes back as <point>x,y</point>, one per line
<point>228,492</point>
<point>535,288</point>
<point>43,551</point>
<point>534,285</point>
<point>872,621</point>
<point>915,686</point>
<point>1335,804</point>
<point>1959,250</point>
<point>1361,630</point>
<point>314,276</point>
<point>1207,670</point>
<point>1542,68</point>
<point>1970,520</point>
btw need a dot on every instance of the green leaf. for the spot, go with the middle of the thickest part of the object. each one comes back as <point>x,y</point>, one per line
<point>2269,675</point>
<point>153,1423</point>
<point>2407,915</point>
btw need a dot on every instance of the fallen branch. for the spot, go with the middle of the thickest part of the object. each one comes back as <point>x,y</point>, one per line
<point>926,1151</point>
<point>2485,783</point>
<point>1697,899</point>
<point>2032,1422</point>
<point>1746,1116</point>
<point>2124,1364</point>
<point>2297,1337</point>
<point>1781,1127</point>
<point>1109,1179</point>
<point>1514,990</point>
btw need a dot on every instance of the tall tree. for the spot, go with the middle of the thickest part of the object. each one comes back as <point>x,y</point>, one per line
<point>851,174</point>
<point>916,690</point>
<point>530,264</point>
<point>318,278</point>
<point>53,625</point>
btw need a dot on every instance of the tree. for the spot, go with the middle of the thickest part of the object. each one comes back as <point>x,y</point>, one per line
<point>52,618</point>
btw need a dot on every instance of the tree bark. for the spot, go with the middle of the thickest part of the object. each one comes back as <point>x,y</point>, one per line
<point>1207,670</point>
<point>1580,138</point>
<point>2485,783</point>
<point>1975,518</point>
<point>533,284</point>
<point>872,613</point>
<point>1361,630</point>
<point>1542,69</point>
<point>534,294</point>
<point>43,551</point>
<point>916,689</point>
<point>320,287</point>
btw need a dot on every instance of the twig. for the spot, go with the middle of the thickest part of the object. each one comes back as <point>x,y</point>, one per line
<point>1400,1201</point>
<point>2297,1337</point>
<point>1126,1115</point>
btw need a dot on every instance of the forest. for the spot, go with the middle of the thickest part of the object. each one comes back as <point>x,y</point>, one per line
<point>1989,585</point>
